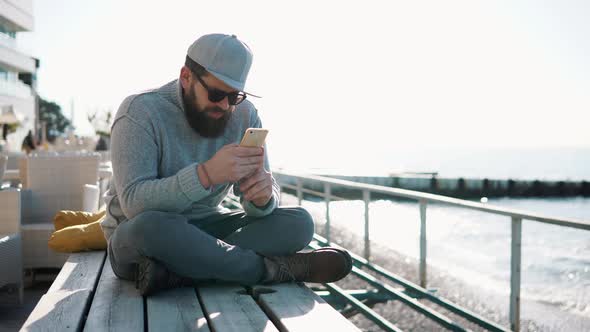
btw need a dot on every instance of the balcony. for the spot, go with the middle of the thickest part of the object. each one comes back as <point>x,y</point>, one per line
<point>13,60</point>
<point>17,14</point>
<point>15,89</point>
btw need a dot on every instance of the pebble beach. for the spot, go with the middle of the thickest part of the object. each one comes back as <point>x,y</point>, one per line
<point>400,314</point>
<point>492,306</point>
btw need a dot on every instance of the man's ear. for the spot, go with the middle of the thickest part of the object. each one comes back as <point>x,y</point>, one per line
<point>185,77</point>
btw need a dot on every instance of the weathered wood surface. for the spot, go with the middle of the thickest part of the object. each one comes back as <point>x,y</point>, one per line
<point>80,271</point>
<point>64,305</point>
<point>87,295</point>
<point>294,307</point>
<point>117,305</point>
<point>230,308</point>
<point>176,310</point>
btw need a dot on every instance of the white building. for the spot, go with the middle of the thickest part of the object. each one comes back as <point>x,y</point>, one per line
<point>16,69</point>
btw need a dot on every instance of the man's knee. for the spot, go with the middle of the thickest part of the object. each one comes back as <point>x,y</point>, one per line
<point>306,221</point>
<point>302,222</point>
<point>123,270</point>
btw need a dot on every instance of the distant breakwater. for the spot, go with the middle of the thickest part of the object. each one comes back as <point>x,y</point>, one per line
<point>460,187</point>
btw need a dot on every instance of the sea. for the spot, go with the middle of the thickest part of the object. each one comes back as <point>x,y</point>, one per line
<point>475,246</point>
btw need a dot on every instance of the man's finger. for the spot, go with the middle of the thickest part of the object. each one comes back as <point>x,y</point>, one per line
<point>248,171</point>
<point>245,161</point>
<point>242,151</point>
<point>250,181</point>
<point>257,191</point>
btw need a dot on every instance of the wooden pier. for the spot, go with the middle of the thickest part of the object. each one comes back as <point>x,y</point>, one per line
<point>469,187</point>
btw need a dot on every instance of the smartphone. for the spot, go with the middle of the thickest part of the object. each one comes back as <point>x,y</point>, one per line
<point>254,137</point>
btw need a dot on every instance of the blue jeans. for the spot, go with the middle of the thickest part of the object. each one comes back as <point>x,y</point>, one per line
<point>225,247</point>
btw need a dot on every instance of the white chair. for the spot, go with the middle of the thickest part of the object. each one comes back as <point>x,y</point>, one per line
<point>11,166</point>
<point>53,182</point>
<point>11,258</point>
<point>13,158</point>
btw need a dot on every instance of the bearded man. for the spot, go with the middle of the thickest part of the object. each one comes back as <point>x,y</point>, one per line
<point>175,157</point>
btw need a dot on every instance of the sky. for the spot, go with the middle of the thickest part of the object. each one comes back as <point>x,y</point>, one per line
<point>364,77</point>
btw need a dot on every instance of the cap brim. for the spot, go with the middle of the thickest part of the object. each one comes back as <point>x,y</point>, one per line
<point>253,95</point>
<point>232,83</point>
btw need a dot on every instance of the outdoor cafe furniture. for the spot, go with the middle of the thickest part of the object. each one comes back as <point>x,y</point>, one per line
<point>52,182</point>
<point>11,258</point>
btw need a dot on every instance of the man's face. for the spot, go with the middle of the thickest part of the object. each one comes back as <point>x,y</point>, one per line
<point>207,118</point>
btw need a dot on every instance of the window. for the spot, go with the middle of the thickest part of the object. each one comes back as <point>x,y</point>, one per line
<point>8,75</point>
<point>6,32</point>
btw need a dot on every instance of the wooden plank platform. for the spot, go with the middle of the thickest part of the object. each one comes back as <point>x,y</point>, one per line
<point>116,306</point>
<point>87,296</point>
<point>294,307</point>
<point>64,305</point>
<point>231,308</point>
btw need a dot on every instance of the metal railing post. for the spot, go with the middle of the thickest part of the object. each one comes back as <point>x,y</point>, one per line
<point>515,256</point>
<point>423,243</point>
<point>367,199</point>
<point>328,193</point>
<point>299,191</point>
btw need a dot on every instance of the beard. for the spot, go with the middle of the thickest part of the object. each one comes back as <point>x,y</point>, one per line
<point>199,119</point>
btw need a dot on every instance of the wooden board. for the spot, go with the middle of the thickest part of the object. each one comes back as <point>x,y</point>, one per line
<point>58,311</point>
<point>176,310</point>
<point>117,305</point>
<point>294,307</point>
<point>228,310</point>
<point>80,271</point>
<point>65,304</point>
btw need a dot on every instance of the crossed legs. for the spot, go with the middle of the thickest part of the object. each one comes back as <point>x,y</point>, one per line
<point>225,247</point>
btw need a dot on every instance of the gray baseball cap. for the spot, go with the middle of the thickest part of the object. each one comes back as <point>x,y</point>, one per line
<point>225,57</point>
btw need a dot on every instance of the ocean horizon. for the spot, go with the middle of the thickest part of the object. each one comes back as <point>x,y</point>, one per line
<point>557,164</point>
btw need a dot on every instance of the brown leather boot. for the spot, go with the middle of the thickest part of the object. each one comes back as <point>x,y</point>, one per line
<point>153,277</point>
<point>321,265</point>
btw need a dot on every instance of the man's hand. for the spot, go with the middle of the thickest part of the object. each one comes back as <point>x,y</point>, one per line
<point>257,188</point>
<point>233,162</point>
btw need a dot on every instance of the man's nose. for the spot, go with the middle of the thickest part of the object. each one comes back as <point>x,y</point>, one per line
<point>223,103</point>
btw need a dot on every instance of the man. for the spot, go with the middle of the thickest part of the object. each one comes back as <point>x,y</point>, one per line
<point>28,144</point>
<point>175,157</point>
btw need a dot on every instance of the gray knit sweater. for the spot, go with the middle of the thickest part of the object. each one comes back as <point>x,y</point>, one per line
<point>155,154</point>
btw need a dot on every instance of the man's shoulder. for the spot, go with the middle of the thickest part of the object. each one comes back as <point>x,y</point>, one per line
<point>144,104</point>
<point>143,101</point>
<point>247,111</point>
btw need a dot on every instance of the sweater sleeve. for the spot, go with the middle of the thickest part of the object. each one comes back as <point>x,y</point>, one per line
<point>135,166</point>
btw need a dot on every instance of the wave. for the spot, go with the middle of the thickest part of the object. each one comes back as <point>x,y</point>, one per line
<point>575,301</point>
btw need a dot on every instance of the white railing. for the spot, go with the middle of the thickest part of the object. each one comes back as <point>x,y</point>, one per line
<point>423,199</point>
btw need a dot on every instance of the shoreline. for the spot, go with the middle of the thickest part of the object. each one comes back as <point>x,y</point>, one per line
<point>480,301</point>
<point>402,315</point>
<point>487,303</point>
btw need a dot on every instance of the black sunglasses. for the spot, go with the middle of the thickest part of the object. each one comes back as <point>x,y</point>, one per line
<point>216,95</point>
